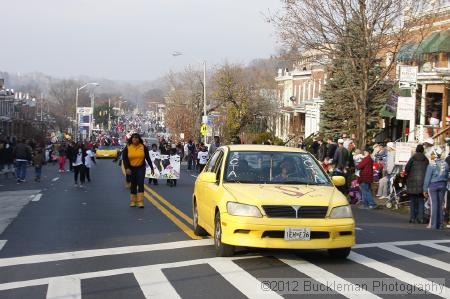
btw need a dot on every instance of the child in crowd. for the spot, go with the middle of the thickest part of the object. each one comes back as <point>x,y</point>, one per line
<point>38,161</point>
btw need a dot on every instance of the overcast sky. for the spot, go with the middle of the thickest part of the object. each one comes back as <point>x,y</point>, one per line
<point>131,39</point>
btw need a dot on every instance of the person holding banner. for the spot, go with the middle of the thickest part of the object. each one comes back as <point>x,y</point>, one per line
<point>134,157</point>
<point>156,157</point>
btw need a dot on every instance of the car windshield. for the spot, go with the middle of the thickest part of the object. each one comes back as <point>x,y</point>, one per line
<point>273,168</point>
<point>105,148</point>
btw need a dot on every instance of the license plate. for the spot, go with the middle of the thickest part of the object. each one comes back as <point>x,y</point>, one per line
<point>291,234</point>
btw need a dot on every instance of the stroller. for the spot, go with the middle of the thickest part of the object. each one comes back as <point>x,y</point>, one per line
<point>354,194</point>
<point>397,191</point>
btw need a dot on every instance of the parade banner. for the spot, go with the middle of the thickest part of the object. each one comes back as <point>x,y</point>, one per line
<point>404,151</point>
<point>165,166</point>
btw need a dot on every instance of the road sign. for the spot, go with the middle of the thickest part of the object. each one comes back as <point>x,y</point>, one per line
<point>204,129</point>
<point>408,76</point>
<point>407,85</point>
<point>84,110</point>
<point>406,108</point>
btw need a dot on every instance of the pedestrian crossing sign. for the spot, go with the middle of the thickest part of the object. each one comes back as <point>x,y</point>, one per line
<point>203,129</point>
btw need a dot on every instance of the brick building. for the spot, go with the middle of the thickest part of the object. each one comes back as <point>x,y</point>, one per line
<point>298,95</point>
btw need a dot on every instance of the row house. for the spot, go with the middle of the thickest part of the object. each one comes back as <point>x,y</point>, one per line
<point>298,94</point>
<point>19,115</point>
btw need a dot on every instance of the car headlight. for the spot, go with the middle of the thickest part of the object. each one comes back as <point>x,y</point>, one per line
<point>238,209</point>
<point>341,212</point>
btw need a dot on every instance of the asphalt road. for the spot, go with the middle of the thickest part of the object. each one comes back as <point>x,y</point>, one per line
<point>60,241</point>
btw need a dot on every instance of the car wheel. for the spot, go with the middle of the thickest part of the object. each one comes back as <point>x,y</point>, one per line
<point>222,250</point>
<point>339,253</point>
<point>198,230</point>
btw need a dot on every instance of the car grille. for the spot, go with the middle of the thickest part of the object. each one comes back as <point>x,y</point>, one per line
<point>280,211</point>
<point>276,234</point>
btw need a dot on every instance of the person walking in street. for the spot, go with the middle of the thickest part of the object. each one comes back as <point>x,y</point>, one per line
<point>203,156</point>
<point>214,146</point>
<point>90,159</point>
<point>365,179</point>
<point>38,162</point>
<point>156,158</point>
<point>79,165</point>
<point>435,186</point>
<point>22,155</point>
<point>71,153</point>
<point>62,157</point>
<point>7,157</point>
<point>134,157</point>
<point>415,176</point>
<point>190,154</point>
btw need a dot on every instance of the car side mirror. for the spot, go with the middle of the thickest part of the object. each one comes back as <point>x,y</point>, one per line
<point>209,177</point>
<point>338,181</point>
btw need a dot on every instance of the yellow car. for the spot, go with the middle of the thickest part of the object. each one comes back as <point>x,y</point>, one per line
<point>271,197</point>
<point>107,152</point>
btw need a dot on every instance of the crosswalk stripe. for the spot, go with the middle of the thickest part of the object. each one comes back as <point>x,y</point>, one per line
<point>398,243</point>
<point>396,273</point>
<point>43,258</point>
<point>417,257</point>
<point>154,284</point>
<point>241,279</point>
<point>436,246</point>
<point>105,273</point>
<point>65,287</point>
<point>326,278</point>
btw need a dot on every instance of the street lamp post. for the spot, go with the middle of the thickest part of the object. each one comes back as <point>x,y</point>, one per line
<point>76,106</point>
<point>205,116</point>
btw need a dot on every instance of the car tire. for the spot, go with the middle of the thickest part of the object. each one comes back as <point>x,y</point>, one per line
<point>222,250</point>
<point>198,230</point>
<point>339,253</point>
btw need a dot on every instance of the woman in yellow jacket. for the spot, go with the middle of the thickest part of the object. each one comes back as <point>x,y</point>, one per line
<point>134,156</point>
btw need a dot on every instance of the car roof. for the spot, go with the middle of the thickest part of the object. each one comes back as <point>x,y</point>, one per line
<point>263,148</point>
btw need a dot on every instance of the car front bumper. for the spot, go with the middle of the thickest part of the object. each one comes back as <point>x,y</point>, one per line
<point>266,232</point>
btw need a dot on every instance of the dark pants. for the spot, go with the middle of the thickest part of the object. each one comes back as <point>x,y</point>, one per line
<point>447,209</point>
<point>38,171</point>
<point>88,174</point>
<point>79,170</point>
<point>71,164</point>
<point>190,162</point>
<point>154,181</point>
<point>416,203</point>
<point>21,169</point>
<point>137,178</point>
<point>200,167</point>
<point>436,192</point>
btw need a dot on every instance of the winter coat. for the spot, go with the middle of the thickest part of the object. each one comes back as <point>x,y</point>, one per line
<point>437,171</point>
<point>22,152</point>
<point>331,150</point>
<point>38,159</point>
<point>322,152</point>
<point>341,158</point>
<point>415,173</point>
<point>6,154</point>
<point>366,170</point>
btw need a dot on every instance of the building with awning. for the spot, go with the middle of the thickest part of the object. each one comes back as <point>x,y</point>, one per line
<point>432,56</point>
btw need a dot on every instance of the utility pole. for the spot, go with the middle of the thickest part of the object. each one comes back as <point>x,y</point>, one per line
<point>109,114</point>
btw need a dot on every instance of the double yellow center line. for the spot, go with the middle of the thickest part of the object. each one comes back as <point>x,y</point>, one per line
<point>169,210</point>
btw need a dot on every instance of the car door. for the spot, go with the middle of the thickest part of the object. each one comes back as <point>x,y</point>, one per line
<point>212,191</point>
<point>201,187</point>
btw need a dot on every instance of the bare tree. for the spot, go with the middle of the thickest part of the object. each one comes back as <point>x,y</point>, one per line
<point>362,32</point>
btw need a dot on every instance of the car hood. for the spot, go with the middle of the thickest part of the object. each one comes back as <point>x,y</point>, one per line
<point>268,194</point>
